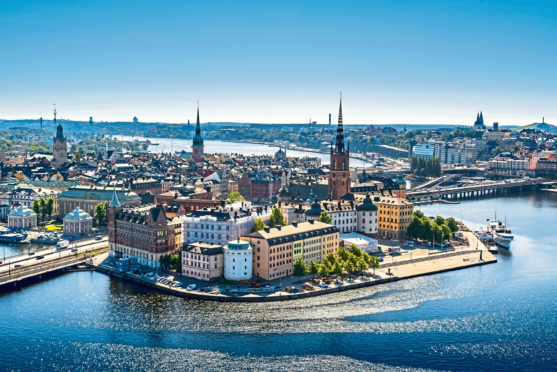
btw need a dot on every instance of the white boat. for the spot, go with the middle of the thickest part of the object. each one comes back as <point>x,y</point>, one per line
<point>502,235</point>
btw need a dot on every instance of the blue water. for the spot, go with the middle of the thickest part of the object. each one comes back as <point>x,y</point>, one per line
<point>495,317</point>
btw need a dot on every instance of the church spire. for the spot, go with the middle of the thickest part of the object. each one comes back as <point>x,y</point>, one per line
<point>340,129</point>
<point>197,126</point>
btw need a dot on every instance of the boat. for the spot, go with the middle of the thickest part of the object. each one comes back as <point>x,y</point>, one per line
<point>12,238</point>
<point>502,235</point>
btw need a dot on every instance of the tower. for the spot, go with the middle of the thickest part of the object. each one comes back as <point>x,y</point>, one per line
<point>114,207</point>
<point>59,145</point>
<point>197,146</point>
<point>339,175</point>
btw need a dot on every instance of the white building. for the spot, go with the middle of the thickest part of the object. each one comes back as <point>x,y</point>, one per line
<point>424,150</point>
<point>22,218</point>
<point>78,222</point>
<point>365,243</point>
<point>238,260</point>
<point>221,225</point>
<point>25,195</point>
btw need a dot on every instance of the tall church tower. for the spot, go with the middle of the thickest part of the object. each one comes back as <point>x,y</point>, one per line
<point>339,176</point>
<point>59,145</point>
<point>197,146</point>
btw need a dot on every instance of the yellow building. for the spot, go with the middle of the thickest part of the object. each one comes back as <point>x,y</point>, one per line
<point>394,216</point>
<point>276,249</point>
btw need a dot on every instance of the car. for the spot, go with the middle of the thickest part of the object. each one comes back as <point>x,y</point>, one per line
<point>98,237</point>
<point>30,253</point>
<point>17,266</point>
<point>39,257</point>
<point>324,285</point>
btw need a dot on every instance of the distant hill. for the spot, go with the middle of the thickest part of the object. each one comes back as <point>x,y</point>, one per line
<point>545,127</point>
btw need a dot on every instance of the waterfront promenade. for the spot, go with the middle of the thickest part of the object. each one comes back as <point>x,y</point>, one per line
<point>422,262</point>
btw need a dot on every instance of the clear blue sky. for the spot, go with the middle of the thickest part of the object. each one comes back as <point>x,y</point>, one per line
<point>280,61</point>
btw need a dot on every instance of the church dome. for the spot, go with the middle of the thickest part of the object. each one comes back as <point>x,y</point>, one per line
<point>367,205</point>
<point>315,210</point>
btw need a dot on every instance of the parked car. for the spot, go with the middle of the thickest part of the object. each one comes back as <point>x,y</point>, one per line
<point>191,287</point>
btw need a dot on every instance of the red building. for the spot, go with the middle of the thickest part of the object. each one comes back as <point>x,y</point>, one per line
<point>339,176</point>
<point>189,204</point>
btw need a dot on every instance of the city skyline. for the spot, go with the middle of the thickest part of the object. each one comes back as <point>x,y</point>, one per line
<point>426,62</point>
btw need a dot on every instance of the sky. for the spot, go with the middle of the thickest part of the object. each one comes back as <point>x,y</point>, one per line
<point>404,61</point>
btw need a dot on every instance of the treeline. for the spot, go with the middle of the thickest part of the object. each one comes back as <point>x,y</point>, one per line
<point>439,229</point>
<point>425,167</point>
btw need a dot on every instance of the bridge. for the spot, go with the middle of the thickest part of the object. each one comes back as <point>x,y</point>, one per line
<point>479,189</point>
<point>20,270</point>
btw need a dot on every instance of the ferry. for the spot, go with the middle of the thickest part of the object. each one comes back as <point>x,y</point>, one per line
<point>502,235</point>
<point>12,238</point>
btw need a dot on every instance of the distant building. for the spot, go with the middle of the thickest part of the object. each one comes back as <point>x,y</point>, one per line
<point>22,218</point>
<point>238,260</point>
<point>87,198</point>
<point>78,222</point>
<point>339,175</point>
<point>59,145</point>
<point>423,150</point>
<point>197,146</point>
<point>479,123</point>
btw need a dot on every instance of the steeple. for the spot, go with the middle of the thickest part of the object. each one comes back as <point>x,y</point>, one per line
<point>115,203</point>
<point>340,130</point>
<point>197,139</point>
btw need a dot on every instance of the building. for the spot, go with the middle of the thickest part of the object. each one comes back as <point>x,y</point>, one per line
<point>508,167</point>
<point>24,194</point>
<point>202,261</point>
<point>223,224</point>
<point>142,232</point>
<point>238,260</point>
<point>275,249</point>
<point>479,123</point>
<point>59,145</point>
<point>394,216</point>
<point>87,198</point>
<point>424,150</point>
<point>189,204</point>
<point>197,145</point>
<point>339,175</point>
<point>78,222</point>
<point>22,218</point>
<point>258,186</point>
<point>365,243</point>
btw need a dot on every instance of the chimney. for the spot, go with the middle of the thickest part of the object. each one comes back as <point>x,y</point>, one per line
<point>267,229</point>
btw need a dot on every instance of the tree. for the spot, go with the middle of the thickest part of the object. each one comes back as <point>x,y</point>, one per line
<point>77,157</point>
<point>313,268</point>
<point>451,222</point>
<point>447,233</point>
<point>349,266</point>
<point>418,213</point>
<point>355,250</point>
<point>234,197</point>
<point>330,258</point>
<point>436,232</point>
<point>300,268</point>
<point>361,264</point>
<point>342,254</point>
<point>42,205</point>
<point>277,218</point>
<point>415,227</point>
<point>323,271</point>
<point>36,207</point>
<point>425,232</point>
<point>258,225</point>
<point>324,217</point>
<point>439,220</point>
<point>374,263</point>
<point>337,269</point>
<point>100,214</point>
<point>49,207</point>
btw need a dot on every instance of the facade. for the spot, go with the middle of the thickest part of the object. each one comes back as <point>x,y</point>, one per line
<point>59,145</point>
<point>275,249</point>
<point>189,204</point>
<point>223,224</point>
<point>197,145</point>
<point>339,175</point>
<point>141,232</point>
<point>394,216</point>
<point>238,260</point>
<point>258,186</point>
<point>87,198</point>
<point>22,218</point>
<point>508,167</point>
<point>25,195</point>
<point>202,261</point>
<point>424,150</point>
<point>78,222</point>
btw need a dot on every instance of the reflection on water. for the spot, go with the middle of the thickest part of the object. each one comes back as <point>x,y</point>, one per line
<point>499,316</point>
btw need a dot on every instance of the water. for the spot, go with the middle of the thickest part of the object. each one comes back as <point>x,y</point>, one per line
<point>495,317</point>
<point>219,147</point>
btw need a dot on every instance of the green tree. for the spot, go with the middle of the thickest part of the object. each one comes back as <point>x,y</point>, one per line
<point>299,268</point>
<point>451,222</point>
<point>338,270</point>
<point>330,258</point>
<point>349,266</point>
<point>49,207</point>
<point>258,225</point>
<point>425,232</point>
<point>36,207</point>
<point>277,218</point>
<point>436,232</point>
<point>77,157</point>
<point>415,227</point>
<point>418,213</point>
<point>342,254</point>
<point>324,271</point>
<point>234,197</point>
<point>361,264</point>
<point>439,220</point>
<point>324,217</point>
<point>313,268</point>
<point>42,204</point>
<point>355,250</point>
<point>100,214</point>
<point>374,263</point>
<point>447,233</point>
